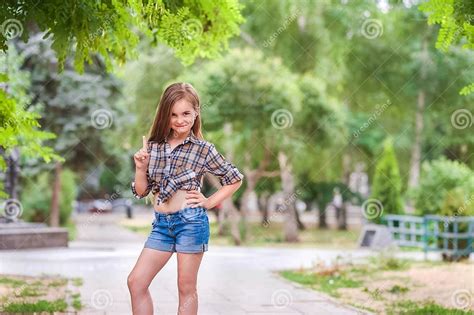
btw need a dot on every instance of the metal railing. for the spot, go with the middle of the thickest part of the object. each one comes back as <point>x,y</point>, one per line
<point>451,235</point>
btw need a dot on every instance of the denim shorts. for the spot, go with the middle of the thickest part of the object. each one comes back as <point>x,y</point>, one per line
<point>184,231</point>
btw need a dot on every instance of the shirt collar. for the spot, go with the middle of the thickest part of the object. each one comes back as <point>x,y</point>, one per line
<point>191,137</point>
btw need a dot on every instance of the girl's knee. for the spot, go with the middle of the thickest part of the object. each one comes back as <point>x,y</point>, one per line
<point>186,287</point>
<point>135,284</point>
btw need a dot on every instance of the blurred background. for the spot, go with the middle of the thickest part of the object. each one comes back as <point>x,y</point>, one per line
<point>350,120</point>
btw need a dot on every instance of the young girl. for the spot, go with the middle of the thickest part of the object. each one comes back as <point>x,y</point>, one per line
<point>171,165</point>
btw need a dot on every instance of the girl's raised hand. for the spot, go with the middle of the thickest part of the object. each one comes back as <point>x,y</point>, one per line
<point>142,157</point>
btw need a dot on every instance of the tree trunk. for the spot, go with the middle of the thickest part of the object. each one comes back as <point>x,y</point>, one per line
<point>249,203</point>
<point>419,124</point>
<point>342,217</point>
<point>346,168</point>
<point>263,205</point>
<point>247,206</point>
<point>416,150</point>
<point>322,222</point>
<point>229,210</point>
<point>301,226</point>
<point>234,218</point>
<point>12,173</point>
<point>221,218</point>
<point>54,217</point>
<point>346,174</point>
<point>290,225</point>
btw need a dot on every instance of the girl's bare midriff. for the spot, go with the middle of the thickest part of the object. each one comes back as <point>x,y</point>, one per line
<point>174,204</point>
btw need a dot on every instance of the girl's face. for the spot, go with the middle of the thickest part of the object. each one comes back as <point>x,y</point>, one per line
<point>182,117</point>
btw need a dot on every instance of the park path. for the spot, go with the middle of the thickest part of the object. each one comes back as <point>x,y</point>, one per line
<point>232,280</point>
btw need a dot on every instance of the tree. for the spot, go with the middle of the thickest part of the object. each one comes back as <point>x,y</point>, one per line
<point>113,28</point>
<point>419,82</point>
<point>456,18</point>
<point>439,177</point>
<point>19,127</point>
<point>78,108</point>
<point>322,124</point>
<point>386,188</point>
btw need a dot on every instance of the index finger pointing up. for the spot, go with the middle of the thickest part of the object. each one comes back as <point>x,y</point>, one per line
<point>145,143</point>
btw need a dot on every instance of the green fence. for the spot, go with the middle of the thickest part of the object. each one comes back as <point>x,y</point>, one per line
<point>453,236</point>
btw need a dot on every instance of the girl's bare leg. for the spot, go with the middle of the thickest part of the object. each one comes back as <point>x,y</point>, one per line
<point>188,266</point>
<point>149,263</point>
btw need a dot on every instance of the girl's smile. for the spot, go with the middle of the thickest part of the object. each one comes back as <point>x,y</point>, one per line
<point>182,117</point>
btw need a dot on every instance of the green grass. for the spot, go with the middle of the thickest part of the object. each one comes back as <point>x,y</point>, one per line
<point>77,282</point>
<point>58,305</point>
<point>76,301</point>
<point>13,282</point>
<point>389,262</point>
<point>374,294</point>
<point>58,283</point>
<point>29,295</point>
<point>30,291</point>
<point>427,308</point>
<point>396,289</point>
<point>324,283</point>
<point>329,279</point>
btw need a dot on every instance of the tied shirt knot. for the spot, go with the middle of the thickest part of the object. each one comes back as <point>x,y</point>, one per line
<point>170,184</point>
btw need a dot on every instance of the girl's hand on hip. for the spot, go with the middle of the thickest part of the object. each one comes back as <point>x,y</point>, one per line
<point>195,198</point>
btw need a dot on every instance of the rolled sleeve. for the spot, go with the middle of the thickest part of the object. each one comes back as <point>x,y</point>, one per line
<point>148,187</point>
<point>217,165</point>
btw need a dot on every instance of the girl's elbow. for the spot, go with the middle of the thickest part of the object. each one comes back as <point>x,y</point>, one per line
<point>238,184</point>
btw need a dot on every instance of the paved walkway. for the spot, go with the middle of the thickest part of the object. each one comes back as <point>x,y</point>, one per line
<point>232,280</point>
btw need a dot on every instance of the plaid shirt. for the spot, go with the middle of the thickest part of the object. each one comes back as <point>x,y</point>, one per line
<point>184,167</point>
